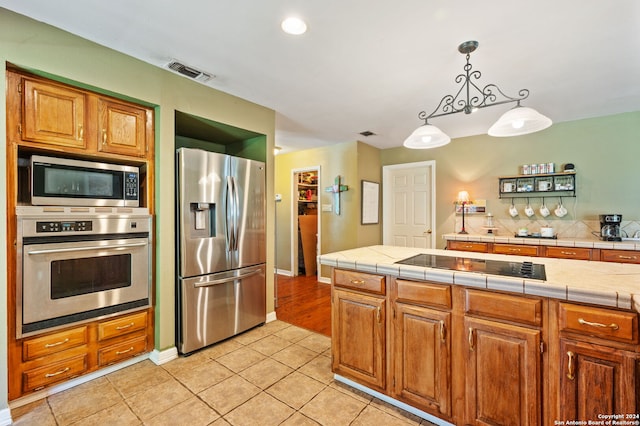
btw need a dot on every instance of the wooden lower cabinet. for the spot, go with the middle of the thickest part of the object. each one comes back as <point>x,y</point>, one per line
<point>48,359</point>
<point>503,374</point>
<point>480,357</point>
<point>596,380</point>
<point>359,337</point>
<point>422,358</point>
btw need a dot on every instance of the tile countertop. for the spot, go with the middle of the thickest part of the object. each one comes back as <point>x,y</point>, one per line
<point>599,283</point>
<point>560,241</point>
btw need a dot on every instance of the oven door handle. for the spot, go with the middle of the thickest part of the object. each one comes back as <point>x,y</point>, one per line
<point>70,249</point>
<point>226,280</point>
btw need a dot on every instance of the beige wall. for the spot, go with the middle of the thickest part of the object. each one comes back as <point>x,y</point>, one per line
<point>605,151</point>
<point>353,161</point>
<point>33,45</point>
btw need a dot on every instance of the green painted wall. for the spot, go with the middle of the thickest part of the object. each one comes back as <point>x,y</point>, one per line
<point>30,44</point>
<point>605,151</point>
<point>353,161</point>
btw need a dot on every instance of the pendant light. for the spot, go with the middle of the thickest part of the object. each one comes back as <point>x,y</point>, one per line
<point>468,99</point>
<point>519,121</point>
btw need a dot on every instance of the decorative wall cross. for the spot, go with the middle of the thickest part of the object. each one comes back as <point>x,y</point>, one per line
<point>336,189</point>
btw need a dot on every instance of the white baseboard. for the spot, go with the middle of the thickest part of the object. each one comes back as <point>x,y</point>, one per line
<point>271,316</point>
<point>162,357</point>
<point>284,272</point>
<point>5,417</point>
<point>325,280</point>
<point>433,419</point>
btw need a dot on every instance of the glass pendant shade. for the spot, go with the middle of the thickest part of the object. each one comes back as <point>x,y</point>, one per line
<point>519,121</point>
<point>425,137</point>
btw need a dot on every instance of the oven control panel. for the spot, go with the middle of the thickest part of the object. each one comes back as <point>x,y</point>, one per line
<point>64,226</point>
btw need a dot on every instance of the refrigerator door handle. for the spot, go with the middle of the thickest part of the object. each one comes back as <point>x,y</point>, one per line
<point>226,280</point>
<point>231,213</point>
<point>236,214</point>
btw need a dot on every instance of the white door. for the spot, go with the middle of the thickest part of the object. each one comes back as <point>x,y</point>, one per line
<point>409,207</point>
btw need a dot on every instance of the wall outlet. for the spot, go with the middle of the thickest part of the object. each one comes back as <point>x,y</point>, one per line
<point>278,197</point>
<point>327,207</point>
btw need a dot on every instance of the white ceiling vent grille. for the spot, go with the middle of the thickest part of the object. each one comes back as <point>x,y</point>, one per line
<point>188,71</point>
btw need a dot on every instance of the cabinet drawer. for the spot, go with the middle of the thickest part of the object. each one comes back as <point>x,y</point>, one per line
<point>52,373</point>
<point>52,343</point>
<point>569,253</point>
<point>599,322</point>
<point>359,281</point>
<point>504,307</point>
<point>620,256</point>
<point>122,351</point>
<point>517,249</point>
<point>468,246</point>
<point>122,326</point>
<point>436,295</point>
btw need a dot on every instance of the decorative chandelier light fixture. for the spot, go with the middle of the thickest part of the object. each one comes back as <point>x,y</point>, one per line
<point>517,121</point>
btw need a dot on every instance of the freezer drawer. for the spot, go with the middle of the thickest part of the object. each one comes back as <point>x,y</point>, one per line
<point>217,306</point>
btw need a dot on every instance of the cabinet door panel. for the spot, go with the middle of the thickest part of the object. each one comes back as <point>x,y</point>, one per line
<point>359,337</point>
<point>503,384</point>
<point>422,358</point>
<point>53,115</point>
<point>595,380</point>
<point>122,128</point>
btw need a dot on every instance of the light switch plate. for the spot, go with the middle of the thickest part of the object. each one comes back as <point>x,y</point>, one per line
<point>327,208</point>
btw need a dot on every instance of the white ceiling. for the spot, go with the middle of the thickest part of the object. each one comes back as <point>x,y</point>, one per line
<point>374,64</point>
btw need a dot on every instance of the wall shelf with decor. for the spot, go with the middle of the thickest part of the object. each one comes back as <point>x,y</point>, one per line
<point>539,185</point>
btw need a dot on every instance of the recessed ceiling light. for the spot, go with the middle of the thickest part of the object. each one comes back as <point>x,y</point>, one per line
<point>293,25</point>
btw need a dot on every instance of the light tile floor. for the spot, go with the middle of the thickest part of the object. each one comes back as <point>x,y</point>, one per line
<point>277,374</point>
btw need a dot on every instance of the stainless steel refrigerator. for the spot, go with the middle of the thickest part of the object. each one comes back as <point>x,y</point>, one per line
<point>221,283</point>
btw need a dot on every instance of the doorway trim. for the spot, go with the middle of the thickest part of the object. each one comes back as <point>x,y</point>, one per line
<point>294,219</point>
<point>387,195</point>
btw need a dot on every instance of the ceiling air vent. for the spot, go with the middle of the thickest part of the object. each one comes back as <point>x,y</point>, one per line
<point>188,71</point>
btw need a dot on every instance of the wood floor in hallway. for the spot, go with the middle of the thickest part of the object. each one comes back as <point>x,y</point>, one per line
<point>304,302</point>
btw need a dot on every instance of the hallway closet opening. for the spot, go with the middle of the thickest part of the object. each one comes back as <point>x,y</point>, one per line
<point>306,222</point>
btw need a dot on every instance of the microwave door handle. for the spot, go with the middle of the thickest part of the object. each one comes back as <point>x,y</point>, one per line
<point>71,249</point>
<point>226,280</point>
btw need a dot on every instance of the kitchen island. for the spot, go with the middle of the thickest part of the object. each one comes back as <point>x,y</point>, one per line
<point>477,348</point>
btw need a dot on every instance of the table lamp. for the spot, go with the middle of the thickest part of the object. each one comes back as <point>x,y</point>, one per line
<point>463,198</point>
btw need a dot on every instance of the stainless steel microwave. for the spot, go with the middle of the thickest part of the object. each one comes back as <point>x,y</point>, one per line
<point>67,182</point>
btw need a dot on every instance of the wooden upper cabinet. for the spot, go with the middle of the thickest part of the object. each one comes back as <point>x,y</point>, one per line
<point>45,114</point>
<point>53,114</point>
<point>122,128</point>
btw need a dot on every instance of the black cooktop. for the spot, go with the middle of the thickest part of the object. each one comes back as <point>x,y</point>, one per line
<point>482,266</point>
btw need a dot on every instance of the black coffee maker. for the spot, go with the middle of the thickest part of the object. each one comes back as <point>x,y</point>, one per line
<point>610,227</point>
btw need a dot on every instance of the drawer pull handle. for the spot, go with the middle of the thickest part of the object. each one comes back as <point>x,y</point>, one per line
<point>80,133</point>
<point>124,327</point>
<point>443,332</point>
<point>570,253</point>
<point>104,136</point>
<point>570,365</point>
<point>57,373</point>
<point>357,282</point>
<point>378,315</point>
<point>125,351</point>
<point>612,326</point>
<point>627,257</point>
<point>470,337</point>
<point>53,345</point>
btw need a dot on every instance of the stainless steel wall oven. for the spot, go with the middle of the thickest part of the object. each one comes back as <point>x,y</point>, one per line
<point>80,263</point>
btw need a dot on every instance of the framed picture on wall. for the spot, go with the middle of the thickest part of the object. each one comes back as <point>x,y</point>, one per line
<point>370,202</point>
